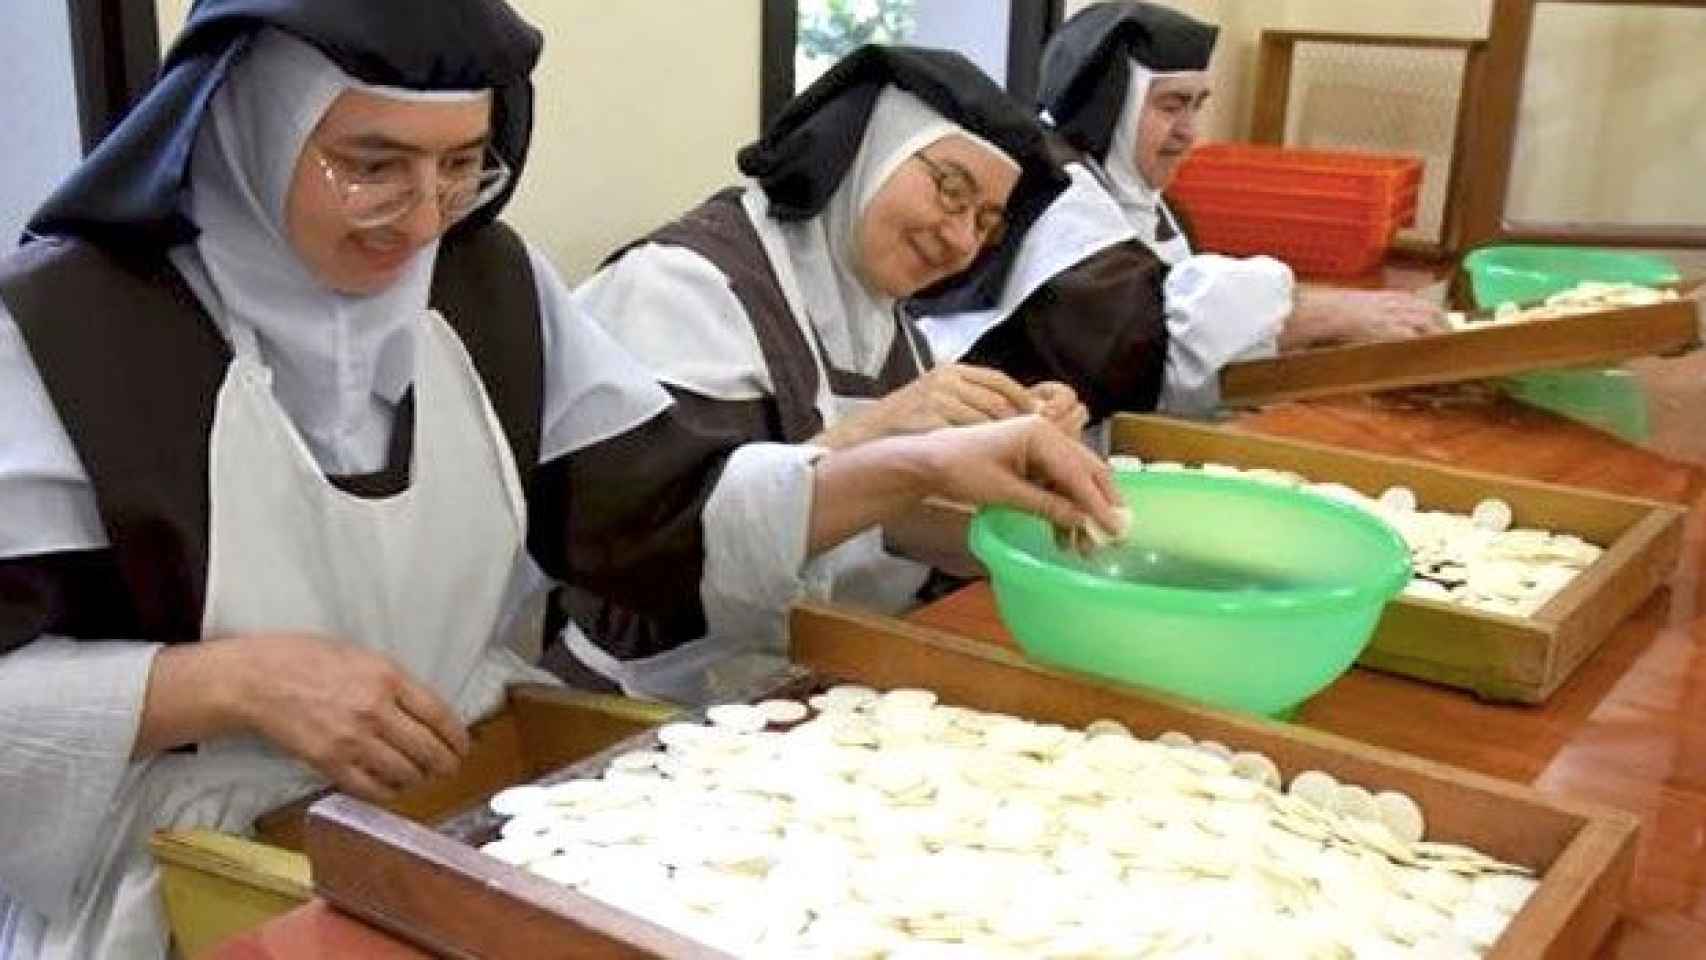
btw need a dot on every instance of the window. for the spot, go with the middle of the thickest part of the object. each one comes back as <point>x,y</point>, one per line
<point>39,140</point>
<point>803,38</point>
<point>1587,128</point>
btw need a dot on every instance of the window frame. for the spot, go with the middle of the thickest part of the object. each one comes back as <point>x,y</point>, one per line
<point>1496,110</point>
<point>115,53</point>
<point>1268,116</point>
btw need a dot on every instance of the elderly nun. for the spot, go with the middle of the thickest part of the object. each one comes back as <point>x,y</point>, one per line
<point>771,312</point>
<point>1104,291</point>
<point>297,436</point>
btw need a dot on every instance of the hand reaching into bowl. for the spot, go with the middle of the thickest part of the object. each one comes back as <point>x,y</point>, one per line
<point>1023,462</point>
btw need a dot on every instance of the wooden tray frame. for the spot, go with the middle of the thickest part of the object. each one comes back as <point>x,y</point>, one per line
<point>434,888</point>
<point>1500,658</point>
<point>1492,351</point>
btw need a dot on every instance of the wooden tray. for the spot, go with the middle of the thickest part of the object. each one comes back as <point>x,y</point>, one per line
<point>1596,338</point>
<point>217,885</point>
<point>434,888</point>
<point>1522,659</point>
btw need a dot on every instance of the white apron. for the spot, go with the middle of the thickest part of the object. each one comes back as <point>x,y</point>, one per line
<point>727,665</point>
<point>428,577</point>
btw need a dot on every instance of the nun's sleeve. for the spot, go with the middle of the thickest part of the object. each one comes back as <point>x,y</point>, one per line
<point>1097,326</point>
<point>69,710</point>
<point>1219,309</point>
<point>679,523</point>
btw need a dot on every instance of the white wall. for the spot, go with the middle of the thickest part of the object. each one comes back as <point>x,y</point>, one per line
<point>1613,122</point>
<point>1429,18</point>
<point>640,109</point>
<point>171,14</point>
<point>39,140</point>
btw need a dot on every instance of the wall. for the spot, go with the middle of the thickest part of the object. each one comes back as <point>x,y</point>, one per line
<point>1612,125</point>
<point>640,109</point>
<point>40,139</point>
<point>1446,18</point>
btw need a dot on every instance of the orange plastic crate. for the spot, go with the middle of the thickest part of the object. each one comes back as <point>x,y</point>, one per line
<point>1353,180</point>
<point>1293,204</point>
<point>1319,246</point>
<point>1324,212</point>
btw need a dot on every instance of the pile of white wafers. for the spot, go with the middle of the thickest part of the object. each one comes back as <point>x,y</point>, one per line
<point>867,825</point>
<point>1588,297</point>
<point>1474,561</point>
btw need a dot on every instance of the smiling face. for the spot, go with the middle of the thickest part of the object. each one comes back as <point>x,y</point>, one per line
<point>368,139</point>
<point>906,240</point>
<point>1168,127</point>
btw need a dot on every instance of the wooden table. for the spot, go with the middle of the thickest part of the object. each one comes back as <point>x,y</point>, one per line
<point>1628,730</point>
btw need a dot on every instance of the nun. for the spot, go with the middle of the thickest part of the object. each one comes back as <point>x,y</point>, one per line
<point>771,313</point>
<point>1105,292</point>
<point>298,436</point>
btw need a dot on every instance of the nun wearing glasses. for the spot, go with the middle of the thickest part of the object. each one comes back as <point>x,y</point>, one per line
<point>1105,291</point>
<point>771,313</point>
<point>297,436</point>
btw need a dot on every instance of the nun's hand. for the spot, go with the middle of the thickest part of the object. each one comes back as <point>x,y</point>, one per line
<point>1325,316</point>
<point>1397,315</point>
<point>351,714</point>
<point>1060,406</point>
<point>951,395</point>
<point>1027,463</point>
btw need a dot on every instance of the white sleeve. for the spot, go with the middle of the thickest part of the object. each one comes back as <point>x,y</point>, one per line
<point>594,389</point>
<point>49,502</point>
<point>674,310</point>
<point>69,710</point>
<point>69,713</point>
<point>1219,309</point>
<point>757,523</point>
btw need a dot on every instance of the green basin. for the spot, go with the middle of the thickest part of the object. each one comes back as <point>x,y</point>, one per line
<point>1230,592</point>
<point>1609,398</point>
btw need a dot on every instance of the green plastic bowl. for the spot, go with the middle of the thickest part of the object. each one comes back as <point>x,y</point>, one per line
<point>1235,593</point>
<point>1609,398</point>
<point>1523,273</point>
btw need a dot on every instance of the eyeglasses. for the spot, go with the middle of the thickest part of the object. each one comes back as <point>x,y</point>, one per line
<point>380,193</point>
<point>957,193</point>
